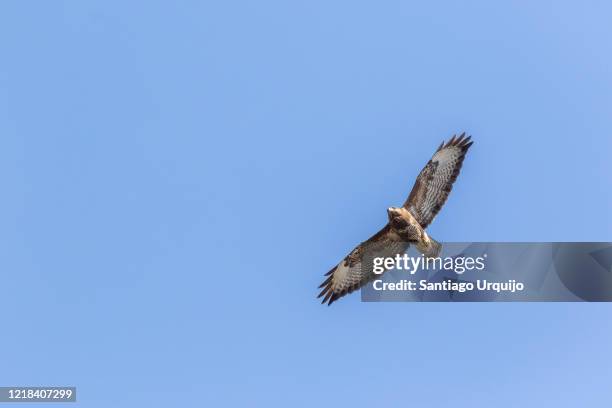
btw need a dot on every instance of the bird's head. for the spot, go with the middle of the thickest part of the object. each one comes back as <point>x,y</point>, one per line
<point>397,217</point>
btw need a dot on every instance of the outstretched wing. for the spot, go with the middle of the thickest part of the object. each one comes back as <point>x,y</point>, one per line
<point>435,181</point>
<point>349,275</point>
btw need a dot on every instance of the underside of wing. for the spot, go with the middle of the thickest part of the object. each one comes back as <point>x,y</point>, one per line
<point>349,275</point>
<point>435,182</point>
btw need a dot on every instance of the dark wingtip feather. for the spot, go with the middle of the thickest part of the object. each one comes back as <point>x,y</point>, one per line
<point>462,141</point>
<point>329,294</point>
<point>327,285</point>
<point>331,271</point>
<point>326,282</point>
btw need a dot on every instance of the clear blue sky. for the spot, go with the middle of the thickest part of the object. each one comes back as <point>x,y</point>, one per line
<point>176,178</point>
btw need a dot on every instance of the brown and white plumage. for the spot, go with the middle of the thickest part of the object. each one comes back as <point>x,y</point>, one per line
<point>435,181</point>
<point>348,275</point>
<point>406,225</point>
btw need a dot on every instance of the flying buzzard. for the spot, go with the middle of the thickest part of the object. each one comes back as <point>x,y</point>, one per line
<point>406,224</point>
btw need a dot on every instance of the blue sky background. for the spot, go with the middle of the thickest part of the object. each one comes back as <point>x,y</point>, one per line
<point>176,179</point>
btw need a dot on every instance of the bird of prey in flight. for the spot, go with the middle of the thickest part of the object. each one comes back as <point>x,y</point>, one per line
<point>406,224</point>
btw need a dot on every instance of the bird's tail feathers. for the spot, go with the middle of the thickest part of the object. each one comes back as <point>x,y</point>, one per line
<point>431,249</point>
